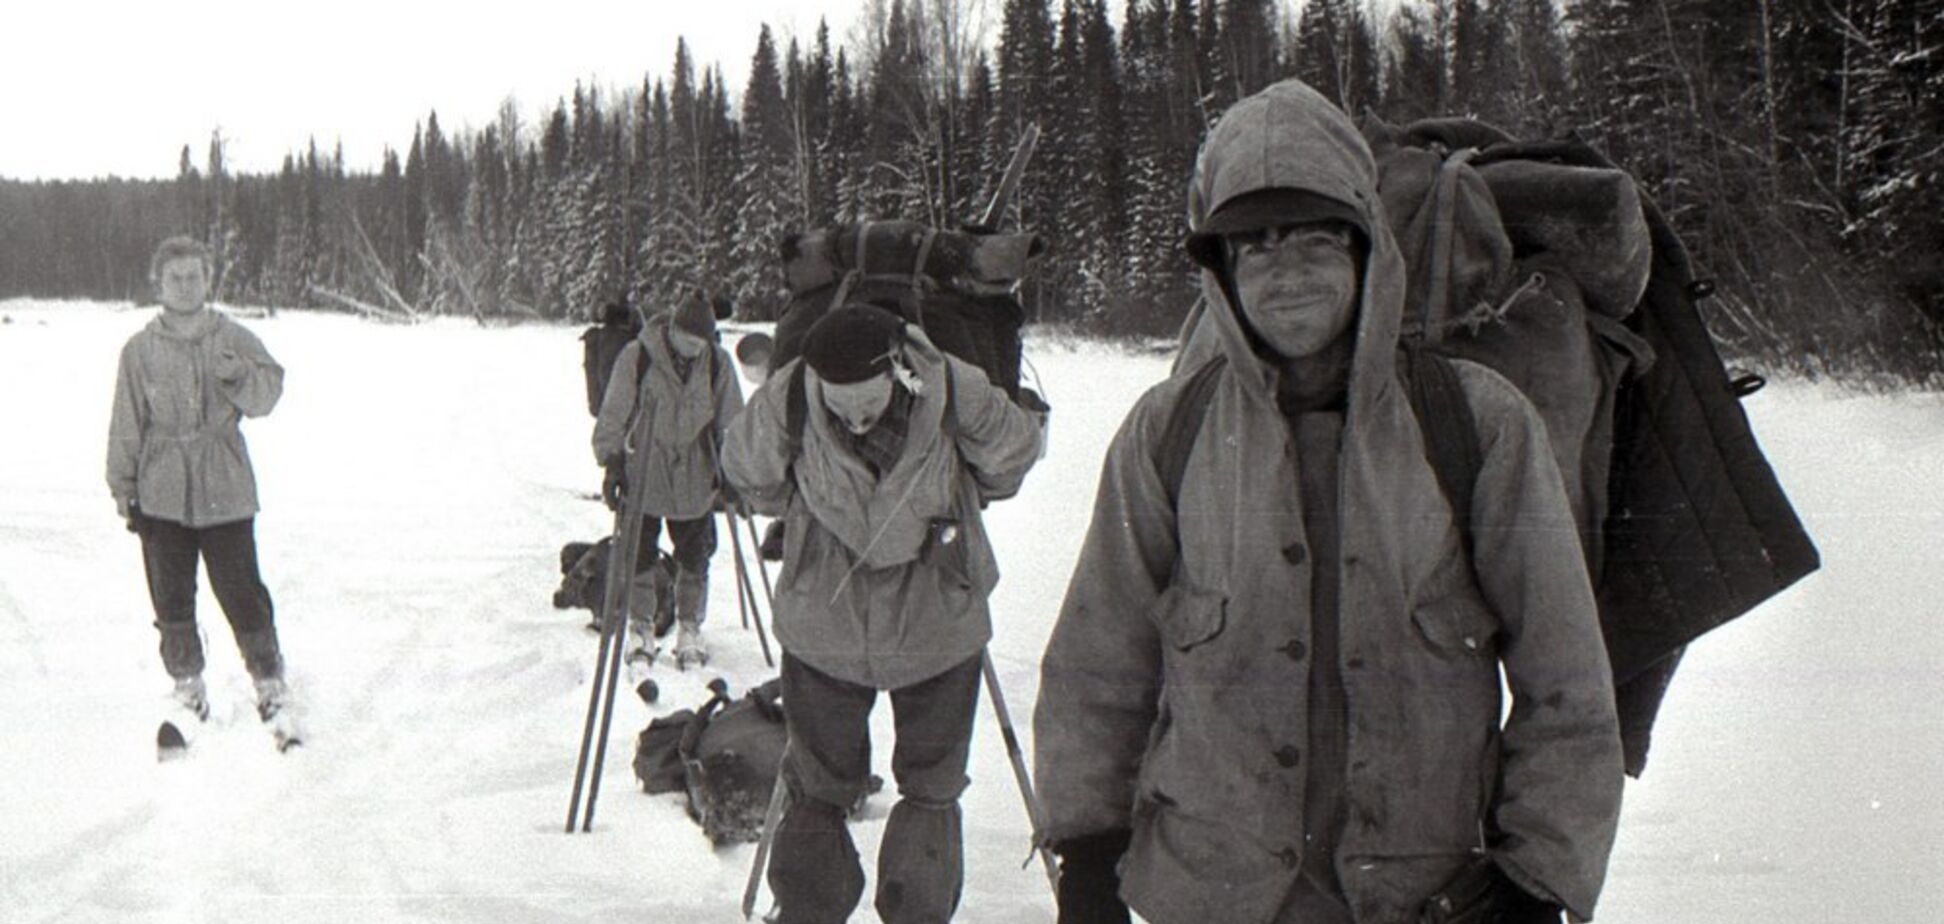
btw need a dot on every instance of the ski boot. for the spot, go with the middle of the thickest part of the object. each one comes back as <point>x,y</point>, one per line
<point>275,708</point>
<point>192,696</point>
<point>690,651</point>
<point>691,607</point>
<point>640,659</point>
<point>189,703</point>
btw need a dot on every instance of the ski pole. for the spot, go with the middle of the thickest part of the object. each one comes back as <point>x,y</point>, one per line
<point>587,732</point>
<point>1035,813</point>
<point>622,552</point>
<point>772,816</point>
<point>742,598</point>
<point>742,573</point>
<point>612,602</point>
<point>769,593</point>
<point>607,721</point>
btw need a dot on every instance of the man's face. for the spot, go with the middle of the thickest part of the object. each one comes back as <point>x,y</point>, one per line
<point>182,284</point>
<point>858,405</point>
<point>1297,283</point>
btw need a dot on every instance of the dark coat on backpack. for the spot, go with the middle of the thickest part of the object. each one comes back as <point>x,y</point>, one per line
<point>1169,694</point>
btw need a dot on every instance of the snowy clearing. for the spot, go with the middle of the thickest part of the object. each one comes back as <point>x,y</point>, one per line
<point>417,483</point>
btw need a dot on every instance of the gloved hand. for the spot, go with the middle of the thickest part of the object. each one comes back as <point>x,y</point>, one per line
<point>1517,906</point>
<point>614,486</point>
<point>772,546</point>
<point>1089,884</point>
<point>228,367</point>
<point>728,501</point>
<point>1481,893</point>
<point>130,512</point>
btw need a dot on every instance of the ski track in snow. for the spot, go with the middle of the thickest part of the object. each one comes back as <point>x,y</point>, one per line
<point>417,483</point>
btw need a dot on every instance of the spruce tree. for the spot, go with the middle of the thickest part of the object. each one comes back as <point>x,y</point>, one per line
<point>767,186</point>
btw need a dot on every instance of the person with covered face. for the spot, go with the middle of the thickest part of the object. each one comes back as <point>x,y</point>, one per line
<point>669,399</point>
<point>1276,696</point>
<point>181,475</point>
<point>875,449</point>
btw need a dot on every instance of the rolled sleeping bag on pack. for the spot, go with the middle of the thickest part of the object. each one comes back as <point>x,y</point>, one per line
<point>1588,221</point>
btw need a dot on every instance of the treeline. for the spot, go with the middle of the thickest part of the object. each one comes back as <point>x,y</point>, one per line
<point>1795,143</point>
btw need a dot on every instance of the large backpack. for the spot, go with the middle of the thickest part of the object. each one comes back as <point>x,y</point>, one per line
<point>724,757</point>
<point>959,286</point>
<point>601,345</point>
<point>1546,263</point>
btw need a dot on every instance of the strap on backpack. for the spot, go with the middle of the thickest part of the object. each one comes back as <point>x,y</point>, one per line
<point>1450,430</point>
<point>918,277</point>
<point>1184,427</point>
<point>1437,400</point>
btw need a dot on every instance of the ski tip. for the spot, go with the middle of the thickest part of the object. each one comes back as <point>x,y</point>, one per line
<point>169,742</point>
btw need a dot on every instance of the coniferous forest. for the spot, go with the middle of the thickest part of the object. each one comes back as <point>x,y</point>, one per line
<point>1798,145</point>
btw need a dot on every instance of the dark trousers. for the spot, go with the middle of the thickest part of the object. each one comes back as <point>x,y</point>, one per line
<point>695,543</point>
<point>814,870</point>
<point>170,551</point>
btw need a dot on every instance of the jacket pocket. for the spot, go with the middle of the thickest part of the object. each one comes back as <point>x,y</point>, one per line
<point>1189,616</point>
<point>944,550</point>
<point>1457,628</point>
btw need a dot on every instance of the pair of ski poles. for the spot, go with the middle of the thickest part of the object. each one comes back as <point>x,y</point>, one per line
<point>614,628</point>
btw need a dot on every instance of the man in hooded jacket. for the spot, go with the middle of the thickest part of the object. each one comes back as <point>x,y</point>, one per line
<point>1276,698</point>
<point>879,474</point>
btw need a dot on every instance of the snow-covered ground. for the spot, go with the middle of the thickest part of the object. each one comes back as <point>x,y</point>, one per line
<point>417,483</point>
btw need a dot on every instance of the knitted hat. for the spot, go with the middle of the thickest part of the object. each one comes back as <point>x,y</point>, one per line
<point>852,343</point>
<point>1260,210</point>
<point>695,316</point>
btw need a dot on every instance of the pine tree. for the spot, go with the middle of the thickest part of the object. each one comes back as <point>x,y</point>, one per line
<point>1249,44</point>
<point>902,125</point>
<point>1418,76</point>
<point>1103,239</point>
<point>767,184</point>
<point>1025,84</point>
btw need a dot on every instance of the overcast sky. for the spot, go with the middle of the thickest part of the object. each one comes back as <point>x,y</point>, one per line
<point>91,88</point>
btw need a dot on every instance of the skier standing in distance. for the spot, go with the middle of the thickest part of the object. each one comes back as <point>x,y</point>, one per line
<point>181,476</point>
<point>886,574</point>
<point>668,418</point>
<point>1272,694</point>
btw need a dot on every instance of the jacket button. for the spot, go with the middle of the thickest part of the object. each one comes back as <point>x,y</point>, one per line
<point>1289,857</point>
<point>1295,649</point>
<point>1295,553</point>
<point>1288,755</point>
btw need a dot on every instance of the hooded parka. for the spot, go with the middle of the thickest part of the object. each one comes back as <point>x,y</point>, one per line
<point>669,423</point>
<point>885,579</point>
<point>1174,699</point>
<point>174,445</point>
